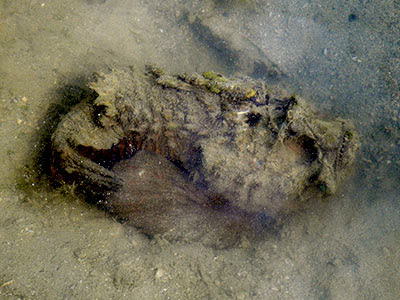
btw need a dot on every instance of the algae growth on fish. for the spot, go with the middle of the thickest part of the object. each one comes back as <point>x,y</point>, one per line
<point>249,147</point>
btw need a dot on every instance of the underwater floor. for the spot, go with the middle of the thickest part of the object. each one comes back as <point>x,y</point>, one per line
<point>343,58</point>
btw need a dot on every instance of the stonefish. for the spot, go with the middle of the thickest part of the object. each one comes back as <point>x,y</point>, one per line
<point>245,147</point>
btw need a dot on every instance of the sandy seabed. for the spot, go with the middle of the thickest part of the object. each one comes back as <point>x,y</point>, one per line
<point>345,59</point>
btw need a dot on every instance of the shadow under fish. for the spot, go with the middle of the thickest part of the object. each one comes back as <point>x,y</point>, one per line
<point>157,198</point>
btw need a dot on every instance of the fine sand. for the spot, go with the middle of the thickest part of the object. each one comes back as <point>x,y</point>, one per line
<point>343,58</point>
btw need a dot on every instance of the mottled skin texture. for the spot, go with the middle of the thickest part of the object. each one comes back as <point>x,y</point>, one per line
<point>251,145</point>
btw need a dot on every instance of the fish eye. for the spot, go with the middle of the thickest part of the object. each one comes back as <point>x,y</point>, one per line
<point>253,119</point>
